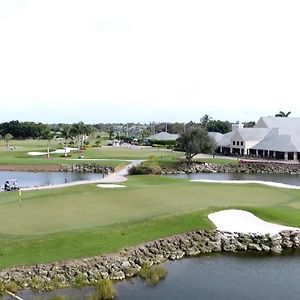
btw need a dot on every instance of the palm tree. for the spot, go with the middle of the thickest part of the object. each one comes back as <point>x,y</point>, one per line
<point>80,130</point>
<point>48,135</point>
<point>65,133</point>
<point>283,114</point>
<point>7,138</point>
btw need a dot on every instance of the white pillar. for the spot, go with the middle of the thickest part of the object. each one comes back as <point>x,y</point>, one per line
<point>295,156</point>
<point>286,156</point>
<point>230,150</point>
<point>274,154</point>
<point>221,150</point>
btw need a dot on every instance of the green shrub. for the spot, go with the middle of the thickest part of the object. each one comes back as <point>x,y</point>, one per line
<point>105,290</point>
<point>157,143</point>
<point>80,280</point>
<point>145,169</point>
<point>154,274</point>
<point>11,286</point>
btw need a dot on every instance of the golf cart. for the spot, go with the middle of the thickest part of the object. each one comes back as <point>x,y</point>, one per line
<point>11,185</point>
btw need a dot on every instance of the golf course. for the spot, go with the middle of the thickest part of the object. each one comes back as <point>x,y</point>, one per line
<point>86,220</point>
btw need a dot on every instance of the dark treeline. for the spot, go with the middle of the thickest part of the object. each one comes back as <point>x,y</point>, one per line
<point>208,124</point>
<point>23,130</point>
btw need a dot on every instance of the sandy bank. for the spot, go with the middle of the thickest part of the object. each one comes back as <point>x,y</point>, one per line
<point>241,221</point>
<point>268,183</point>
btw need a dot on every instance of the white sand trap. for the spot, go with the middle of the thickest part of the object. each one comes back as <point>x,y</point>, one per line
<point>268,183</point>
<point>62,151</point>
<point>36,153</point>
<point>58,151</point>
<point>111,186</point>
<point>234,220</point>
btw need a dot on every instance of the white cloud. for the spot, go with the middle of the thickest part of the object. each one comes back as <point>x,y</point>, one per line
<point>148,60</point>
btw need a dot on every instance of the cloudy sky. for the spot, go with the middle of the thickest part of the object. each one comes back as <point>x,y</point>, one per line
<point>165,60</point>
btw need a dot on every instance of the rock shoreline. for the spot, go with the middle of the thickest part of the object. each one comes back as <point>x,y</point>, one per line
<point>241,167</point>
<point>86,168</point>
<point>128,262</point>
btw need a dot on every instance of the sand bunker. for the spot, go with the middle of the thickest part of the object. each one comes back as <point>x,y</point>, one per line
<point>36,153</point>
<point>268,183</point>
<point>234,220</point>
<point>110,186</point>
<point>58,151</point>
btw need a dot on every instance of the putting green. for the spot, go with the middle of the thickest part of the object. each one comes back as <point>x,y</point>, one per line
<point>85,220</point>
<point>144,198</point>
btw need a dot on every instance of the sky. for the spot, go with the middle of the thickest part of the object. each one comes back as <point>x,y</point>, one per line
<point>140,61</point>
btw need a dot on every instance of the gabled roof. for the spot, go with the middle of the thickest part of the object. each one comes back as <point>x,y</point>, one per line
<point>276,142</point>
<point>163,136</point>
<point>226,140</point>
<point>216,136</point>
<point>252,134</point>
<point>286,125</point>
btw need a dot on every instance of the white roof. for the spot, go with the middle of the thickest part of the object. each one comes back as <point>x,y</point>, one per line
<point>252,134</point>
<point>216,136</point>
<point>163,136</point>
<point>270,133</point>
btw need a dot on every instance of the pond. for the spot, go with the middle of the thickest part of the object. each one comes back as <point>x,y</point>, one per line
<point>31,179</point>
<point>281,178</point>
<point>216,276</point>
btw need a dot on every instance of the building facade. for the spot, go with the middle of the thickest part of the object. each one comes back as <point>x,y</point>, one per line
<point>271,137</point>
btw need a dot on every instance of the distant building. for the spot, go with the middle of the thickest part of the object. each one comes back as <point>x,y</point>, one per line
<point>271,137</point>
<point>163,136</point>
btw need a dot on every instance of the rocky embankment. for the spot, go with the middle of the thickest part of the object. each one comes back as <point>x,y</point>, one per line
<point>86,168</point>
<point>271,168</point>
<point>128,262</point>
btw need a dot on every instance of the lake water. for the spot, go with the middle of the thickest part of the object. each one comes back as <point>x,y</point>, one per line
<point>31,179</point>
<point>281,178</point>
<point>217,276</point>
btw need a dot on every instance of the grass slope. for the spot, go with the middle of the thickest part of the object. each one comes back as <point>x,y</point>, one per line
<point>86,220</point>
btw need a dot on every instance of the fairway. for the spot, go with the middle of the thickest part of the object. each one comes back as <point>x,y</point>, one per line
<point>89,206</point>
<point>108,156</point>
<point>87,220</point>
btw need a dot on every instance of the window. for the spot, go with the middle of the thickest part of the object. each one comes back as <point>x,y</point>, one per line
<point>237,143</point>
<point>242,143</point>
<point>233,143</point>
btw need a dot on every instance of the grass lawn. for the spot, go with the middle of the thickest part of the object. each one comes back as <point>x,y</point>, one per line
<point>85,220</point>
<point>108,156</point>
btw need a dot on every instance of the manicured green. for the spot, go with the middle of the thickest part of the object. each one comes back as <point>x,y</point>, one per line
<point>131,153</point>
<point>17,154</point>
<point>86,220</point>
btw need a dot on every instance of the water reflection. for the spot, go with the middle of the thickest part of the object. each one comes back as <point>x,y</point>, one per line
<point>281,178</point>
<point>31,179</point>
<point>217,276</point>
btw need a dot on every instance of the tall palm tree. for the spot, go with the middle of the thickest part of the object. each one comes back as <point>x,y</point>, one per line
<point>65,133</point>
<point>7,138</point>
<point>283,114</point>
<point>49,136</point>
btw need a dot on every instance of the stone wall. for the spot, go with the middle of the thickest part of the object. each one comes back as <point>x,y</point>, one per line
<point>128,262</point>
<point>271,168</point>
<point>86,168</point>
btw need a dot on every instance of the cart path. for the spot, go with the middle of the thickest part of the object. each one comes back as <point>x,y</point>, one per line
<point>116,177</point>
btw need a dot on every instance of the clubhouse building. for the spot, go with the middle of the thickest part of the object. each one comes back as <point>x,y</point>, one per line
<point>271,137</point>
